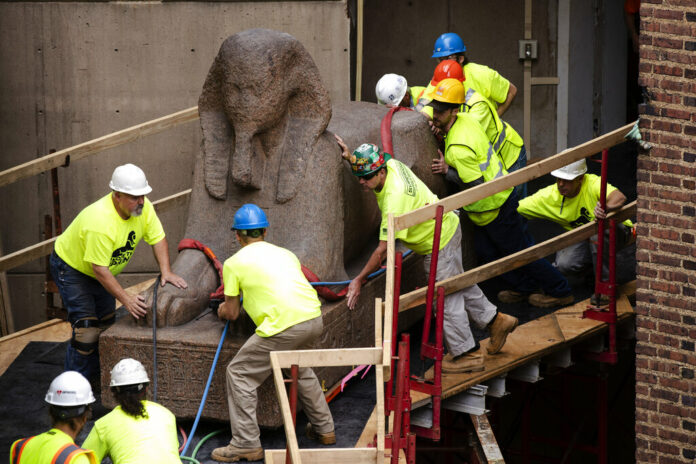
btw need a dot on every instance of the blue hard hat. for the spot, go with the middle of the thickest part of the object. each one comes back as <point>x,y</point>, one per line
<point>448,44</point>
<point>249,216</point>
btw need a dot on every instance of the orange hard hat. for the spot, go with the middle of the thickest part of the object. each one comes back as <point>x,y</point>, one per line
<point>448,69</point>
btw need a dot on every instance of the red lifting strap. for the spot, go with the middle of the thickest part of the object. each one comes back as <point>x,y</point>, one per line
<point>325,292</point>
<point>191,244</point>
<point>385,129</point>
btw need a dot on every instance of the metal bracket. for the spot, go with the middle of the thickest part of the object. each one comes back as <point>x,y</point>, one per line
<point>560,358</point>
<point>496,387</point>
<point>594,345</point>
<point>527,373</point>
<point>423,416</point>
<point>471,401</point>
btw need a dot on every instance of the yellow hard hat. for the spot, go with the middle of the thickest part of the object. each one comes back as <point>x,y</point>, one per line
<point>449,91</point>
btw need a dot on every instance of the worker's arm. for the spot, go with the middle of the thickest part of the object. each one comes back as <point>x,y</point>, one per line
<point>135,304</point>
<point>615,200</point>
<point>372,265</point>
<point>512,92</point>
<point>161,252</point>
<point>231,308</point>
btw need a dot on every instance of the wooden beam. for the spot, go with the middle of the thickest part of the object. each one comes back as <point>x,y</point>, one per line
<point>330,357</point>
<point>172,201</point>
<point>325,455</point>
<point>515,178</point>
<point>379,381</point>
<point>62,157</point>
<point>6,316</point>
<point>290,434</point>
<point>44,248</point>
<point>31,329</point>
<point>389,298</point>
<point>513,261</point>
<point>490,447</point>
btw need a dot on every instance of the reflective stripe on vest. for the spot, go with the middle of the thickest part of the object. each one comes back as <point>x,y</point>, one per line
<point>469,93</point>
<point>17,449</point>
<point>501,139</point>
<point>66,454</point>
<point>466,131</point>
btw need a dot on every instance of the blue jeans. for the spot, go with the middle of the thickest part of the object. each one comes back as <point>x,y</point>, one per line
<point>520,190</point>
<point>508,234</point>
<point>83,297</point>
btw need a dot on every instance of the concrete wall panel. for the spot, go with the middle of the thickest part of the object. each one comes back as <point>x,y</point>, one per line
<point>76,71</point>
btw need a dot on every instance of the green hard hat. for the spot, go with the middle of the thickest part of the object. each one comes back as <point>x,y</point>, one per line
<point>367,159</point>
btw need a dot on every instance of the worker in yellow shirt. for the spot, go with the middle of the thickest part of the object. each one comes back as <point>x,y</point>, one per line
<point>392,90</point>
<point>69,397</point>
<point>573,201</point>
<point>287,314</point>
<point>95,248</point>
<point>486,81</point>
<point>136,431</point>
<point>399,191</point>
<point>500,230</point>
<point>505,140</point>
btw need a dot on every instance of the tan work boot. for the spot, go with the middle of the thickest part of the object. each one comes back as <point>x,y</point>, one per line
<point>231,453</point>
<point>541,300</point>
<point>511,296</point>
<point>323,438</point>
<point>502,326</point>
<point>466,362</point>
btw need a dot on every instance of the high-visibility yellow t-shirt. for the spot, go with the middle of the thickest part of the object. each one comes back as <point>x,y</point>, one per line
<point>486,81</point>
<point>403,192</point>
<point>43,448</point>
<point>548,203</point>
<point>98,235</point>
<point>276,293</point>
<point>130,440</point>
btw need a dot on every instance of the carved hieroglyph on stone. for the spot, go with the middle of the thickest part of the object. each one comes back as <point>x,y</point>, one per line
<point>267,140</point>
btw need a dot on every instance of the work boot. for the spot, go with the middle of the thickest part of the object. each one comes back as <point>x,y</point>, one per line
<point>231,453</point>
<point>500,328</point>
<point>465,362</point>
<point>511,296</point>
<point>541,300</point>
<point>323,438</point>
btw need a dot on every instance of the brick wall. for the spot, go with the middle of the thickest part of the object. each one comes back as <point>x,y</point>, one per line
<point>666,298</point>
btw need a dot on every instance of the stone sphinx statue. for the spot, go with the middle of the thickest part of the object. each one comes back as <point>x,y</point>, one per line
<point>264,114</point>
<point>268,139</point>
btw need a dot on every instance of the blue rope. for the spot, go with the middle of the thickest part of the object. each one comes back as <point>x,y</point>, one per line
<point>346,282</point>
<point>207,388</point>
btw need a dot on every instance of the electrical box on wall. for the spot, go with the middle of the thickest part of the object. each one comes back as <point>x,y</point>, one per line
<point>528,50</point>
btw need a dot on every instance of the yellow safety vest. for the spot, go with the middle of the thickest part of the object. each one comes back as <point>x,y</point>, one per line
<point>505,140</point>
<point>480,160</point>
<point>417,92</point>
<point>53,446</point>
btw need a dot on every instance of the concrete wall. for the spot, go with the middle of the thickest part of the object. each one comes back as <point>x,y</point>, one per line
<point>400,35</point>
<point>77,71</point>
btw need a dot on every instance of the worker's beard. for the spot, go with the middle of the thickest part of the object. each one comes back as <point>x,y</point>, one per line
<point>137,211</point>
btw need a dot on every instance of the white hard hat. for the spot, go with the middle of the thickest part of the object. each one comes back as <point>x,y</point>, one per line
<point>128,372</point>
<point>390,89</point>
<point>70,389</point>
<point>571,171</point>
<point>129,179</point>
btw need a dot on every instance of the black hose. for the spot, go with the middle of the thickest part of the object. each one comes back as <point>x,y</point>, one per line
<point>154,338</point>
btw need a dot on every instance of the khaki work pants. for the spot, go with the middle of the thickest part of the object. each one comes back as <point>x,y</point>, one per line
<point>252,365</point>
<point>468,304</point>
